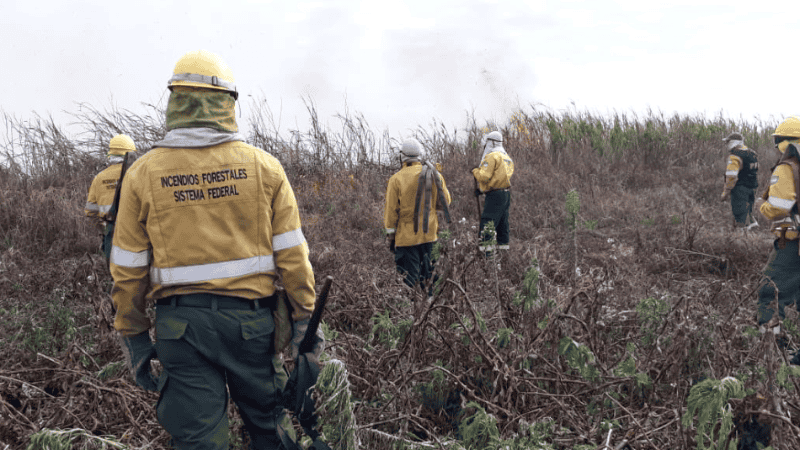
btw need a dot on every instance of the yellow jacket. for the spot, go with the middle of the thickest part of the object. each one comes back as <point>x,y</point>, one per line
<point>398,217</point>
<point>221,219</point>
<point>494,172</point>
<point>780,202</point>
<point>101,192</point>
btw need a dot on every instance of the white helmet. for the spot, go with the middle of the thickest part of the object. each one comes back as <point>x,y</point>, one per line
<point>494,136</point>
<point>411,150</point>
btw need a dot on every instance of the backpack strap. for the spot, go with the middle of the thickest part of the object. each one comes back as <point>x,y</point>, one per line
<point>111,215</point>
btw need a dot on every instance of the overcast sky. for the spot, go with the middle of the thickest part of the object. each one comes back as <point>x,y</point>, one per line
<point>403,63</point>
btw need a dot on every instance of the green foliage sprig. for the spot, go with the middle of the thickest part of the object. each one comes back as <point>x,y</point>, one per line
<point>579,357</point>
<point>74,439</point>
<point>708,400</point>
<point>335,407</point>
<point>479,431</point>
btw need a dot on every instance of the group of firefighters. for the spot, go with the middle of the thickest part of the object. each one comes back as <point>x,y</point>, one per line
<point>781,277</point>
<point>203,225</point>
<point>213,285</point>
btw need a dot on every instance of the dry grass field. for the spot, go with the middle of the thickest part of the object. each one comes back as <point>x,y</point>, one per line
<point>623,317</point>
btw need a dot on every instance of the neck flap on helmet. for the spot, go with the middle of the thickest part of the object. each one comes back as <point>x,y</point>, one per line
<point>201,108</point>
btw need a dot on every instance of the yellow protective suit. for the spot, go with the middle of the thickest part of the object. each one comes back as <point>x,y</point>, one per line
<point>494,172</point>
<point>398,216</point>
<point>732,169</point>
<point>101,192</point>
<point>781,199</point>
<point>219,219</point>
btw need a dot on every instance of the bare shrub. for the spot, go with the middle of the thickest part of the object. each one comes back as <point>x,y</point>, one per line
<point>664,298</point>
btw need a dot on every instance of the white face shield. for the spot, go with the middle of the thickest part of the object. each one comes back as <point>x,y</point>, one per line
<point>732,144</point>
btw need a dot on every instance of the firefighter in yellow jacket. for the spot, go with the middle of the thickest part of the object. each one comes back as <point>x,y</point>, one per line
<point>779,205</point>
<point>101,192</point>
<point>741,180</point>
<point>494,180</point>
<point>412,197</point>
<point>206,225</point>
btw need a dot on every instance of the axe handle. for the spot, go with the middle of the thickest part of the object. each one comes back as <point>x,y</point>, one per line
<point>307,344</point>
<point>477,199</point>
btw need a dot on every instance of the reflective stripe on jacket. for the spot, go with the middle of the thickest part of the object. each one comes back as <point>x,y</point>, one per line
<point>101,192</point>
<point>780,202</point>
<point>398,216</point>
<point>494,172</point>
<point>220,219</point>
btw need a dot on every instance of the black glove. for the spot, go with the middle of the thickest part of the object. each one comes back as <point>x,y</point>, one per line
<point>478,192</point>
<point>140,352</point>
<point>390,237</point>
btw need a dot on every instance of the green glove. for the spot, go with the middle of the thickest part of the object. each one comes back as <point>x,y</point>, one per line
<point>299,331</point>
<point>140,351</point>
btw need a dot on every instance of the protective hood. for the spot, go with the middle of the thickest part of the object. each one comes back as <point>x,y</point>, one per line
<point>411,151</point>
<point>196,138</point>
<point>497,148</point>
<point>201,108</point>
<point>783,145</point>
<point>114,159</point>
<point>732,144</point>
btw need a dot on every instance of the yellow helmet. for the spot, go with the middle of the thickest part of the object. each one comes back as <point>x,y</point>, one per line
<point>121,144</point>
<point>789,128</point>
<point>201,68</point>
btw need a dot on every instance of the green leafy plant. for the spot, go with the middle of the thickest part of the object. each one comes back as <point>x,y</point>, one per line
<point>335,407</point>
<point>387,332</point>
<point>489,236</point>
<point>579,357</point>
<point>651,313</point>
<point>443,238</point>
<point>111,370</point>
<point>529,294</point>
<point>479,431</point>
<point>708,401</point>
<point>74,439</point>
<point>329,333</point>
<point>504,336</point>
<point>53,333</point>
<point>627,368</point>
<point>573,207</point>
<point>785,373</point>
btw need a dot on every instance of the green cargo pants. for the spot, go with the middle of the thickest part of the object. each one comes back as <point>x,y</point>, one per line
<point>414,262</point>
<point>203,349</point>
<point>781,274</point>
<point>495,209</point>
<point>742,200</point>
